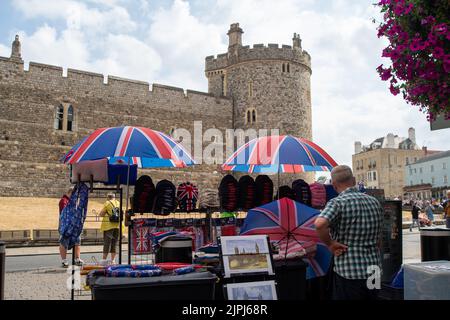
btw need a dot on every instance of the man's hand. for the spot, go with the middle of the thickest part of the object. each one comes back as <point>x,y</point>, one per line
<point>337,248</point>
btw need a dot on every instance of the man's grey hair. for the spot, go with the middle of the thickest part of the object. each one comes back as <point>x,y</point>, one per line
<point>111,196</point>
<point>341,174</point>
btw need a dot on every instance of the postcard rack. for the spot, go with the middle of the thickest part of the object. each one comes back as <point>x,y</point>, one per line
<point>248,275</point>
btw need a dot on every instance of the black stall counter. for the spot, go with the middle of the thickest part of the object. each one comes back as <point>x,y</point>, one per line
<point>191,286</point>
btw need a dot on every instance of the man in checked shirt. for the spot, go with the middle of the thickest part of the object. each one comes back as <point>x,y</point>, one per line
<point>350,225</point>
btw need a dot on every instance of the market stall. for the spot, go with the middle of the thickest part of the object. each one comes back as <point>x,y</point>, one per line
<point>94,156</point>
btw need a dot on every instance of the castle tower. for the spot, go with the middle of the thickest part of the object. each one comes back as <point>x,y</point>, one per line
<point>270,85</point>
<point>16,49</point>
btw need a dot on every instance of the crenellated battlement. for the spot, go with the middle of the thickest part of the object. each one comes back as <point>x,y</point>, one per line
<point>271,51</point>
<point>11,71</point>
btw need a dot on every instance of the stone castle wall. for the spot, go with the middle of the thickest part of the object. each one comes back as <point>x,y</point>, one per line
<point>30,147</point>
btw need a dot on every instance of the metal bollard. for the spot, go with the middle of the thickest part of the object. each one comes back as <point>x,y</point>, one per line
<point>2,270</point>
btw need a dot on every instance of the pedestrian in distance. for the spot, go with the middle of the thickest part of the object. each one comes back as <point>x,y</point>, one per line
<point>429,210</point>
<point>110,227</point>
<point>415,217</point>
<point>446,206</point>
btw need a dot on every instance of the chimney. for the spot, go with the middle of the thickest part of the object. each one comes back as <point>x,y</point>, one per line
<point>296,41</point>
<point>412,134</point>
<point>16,49</point>
<point>234,35</point>
<point>358,147</point>
<point>425,150</point>
<point>390,141</point>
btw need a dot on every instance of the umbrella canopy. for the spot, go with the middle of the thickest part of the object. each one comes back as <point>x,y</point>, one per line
<point>274,154</point>
<point>148,146</point>
<point>290,224</point>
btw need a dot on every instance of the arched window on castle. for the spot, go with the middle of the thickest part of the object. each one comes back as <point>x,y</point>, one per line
<point>70,118</point>
<point>250,116</point>
<point>286,67</point>
<point>59,117</point>
<point>283,68</point>
<point>64,117</point>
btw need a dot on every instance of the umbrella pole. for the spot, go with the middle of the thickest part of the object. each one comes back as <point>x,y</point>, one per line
<point>72,289</point>
<point>120,226</point>
<point>278,182</point>
<point>126,212</point>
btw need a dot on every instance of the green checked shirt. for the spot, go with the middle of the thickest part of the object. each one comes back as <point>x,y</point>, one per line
<point>355,220</point>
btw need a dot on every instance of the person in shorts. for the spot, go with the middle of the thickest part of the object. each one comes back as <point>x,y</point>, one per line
<point>110,229</point>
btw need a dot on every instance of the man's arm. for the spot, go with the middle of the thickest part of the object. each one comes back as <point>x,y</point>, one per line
<point>103,212</point>
<point>323,231</point>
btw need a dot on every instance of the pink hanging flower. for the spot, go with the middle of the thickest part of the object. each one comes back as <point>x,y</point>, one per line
<point>438,52</point>
<point>415,45</point>
<point>394,90</point>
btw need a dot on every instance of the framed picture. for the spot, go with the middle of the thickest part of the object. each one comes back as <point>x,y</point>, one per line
<point>246,254</point>
<point>234,245</point>
<point>260,290</point>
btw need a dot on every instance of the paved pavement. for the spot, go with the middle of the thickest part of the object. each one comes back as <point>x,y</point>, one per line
<point>23,259</point>
<point>49,280</point>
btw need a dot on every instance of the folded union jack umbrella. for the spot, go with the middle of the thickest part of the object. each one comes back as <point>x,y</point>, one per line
<point>142,146</point>
<point>274,154</point>
<point>290,224</point>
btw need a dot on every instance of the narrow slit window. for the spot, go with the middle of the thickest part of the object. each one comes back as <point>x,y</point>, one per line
<point>287,68</point>
<point>254,116</point>
<point>283,68</point>
<point>59,117</point>
<point>70,118</point>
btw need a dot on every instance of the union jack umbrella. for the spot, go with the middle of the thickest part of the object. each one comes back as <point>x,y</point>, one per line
<point>139,145</point>
<point>274,154</point>
<point>291,226</point>
<point>143,146</point>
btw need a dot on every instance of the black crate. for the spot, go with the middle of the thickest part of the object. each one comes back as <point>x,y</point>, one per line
<point>191,286</point>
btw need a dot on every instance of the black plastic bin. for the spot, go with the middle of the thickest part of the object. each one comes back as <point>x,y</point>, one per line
<point>175,249</point>
<point>435,244</point>
<point>191,286</point>
<point>291,279</point>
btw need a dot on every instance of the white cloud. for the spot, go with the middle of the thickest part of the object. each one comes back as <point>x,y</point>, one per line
<point>78,15</point>
<point>183,42</point>
<point>128,57</point>
<point>68,49</point>
<point>4,51</point>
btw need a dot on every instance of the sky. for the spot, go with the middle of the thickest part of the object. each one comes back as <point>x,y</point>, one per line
<point>166,41</point>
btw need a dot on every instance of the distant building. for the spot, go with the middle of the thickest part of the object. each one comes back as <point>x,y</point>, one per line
<point>428,177</point>
<point>381,164</point>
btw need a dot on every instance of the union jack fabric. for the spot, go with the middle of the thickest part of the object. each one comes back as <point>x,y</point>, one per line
<point>143,146</point>
<point>291,226</point>
<point>141,240</point>
<point>187,195</point>
<point>279,154</point>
